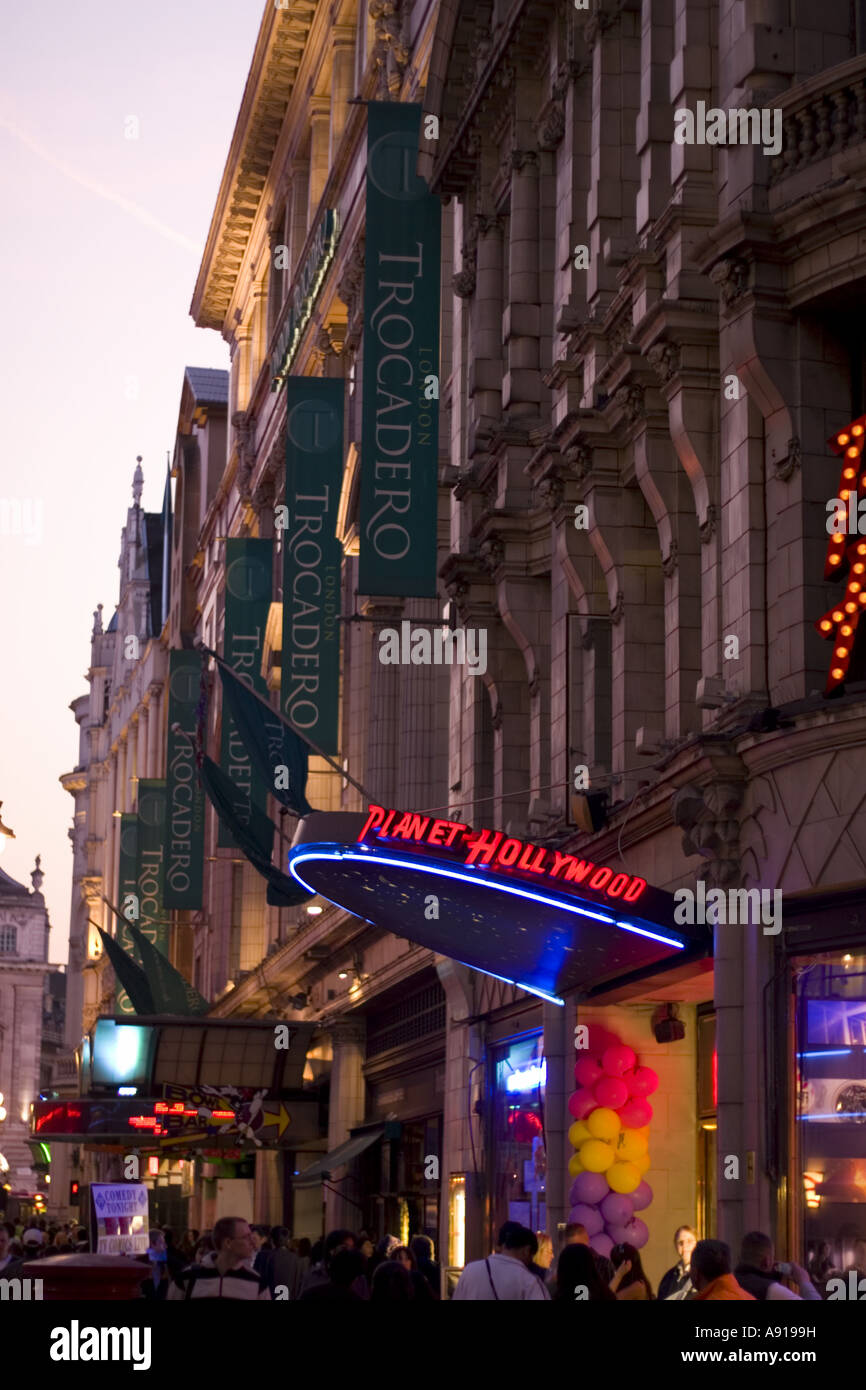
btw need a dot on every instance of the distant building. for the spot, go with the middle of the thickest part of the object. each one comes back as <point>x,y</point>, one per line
<point>24,929</point>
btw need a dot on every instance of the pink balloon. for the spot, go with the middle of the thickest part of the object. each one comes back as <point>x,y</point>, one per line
<point>610,1091</point>
<point>617,1209</point>
<point>588,1187</point>
<point>602,1245</point>
<point>642,1081</point>
<point>619,1235</point>
<point>581,1103</point>
<point>635,1114</point>
<point>638,1233</point>
<point>600,1038</point>
<point>587,1071</point>
<point>642,1196</point>
<point>618,1059</point>
<point>588,1216</point>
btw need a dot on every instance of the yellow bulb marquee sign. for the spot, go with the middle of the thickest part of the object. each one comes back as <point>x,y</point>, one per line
<point>846,551</point>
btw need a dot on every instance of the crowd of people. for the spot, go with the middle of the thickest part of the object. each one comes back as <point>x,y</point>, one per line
<point>242,1261</point>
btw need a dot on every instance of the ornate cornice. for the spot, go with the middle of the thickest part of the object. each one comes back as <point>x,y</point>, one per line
<point>273,73</point>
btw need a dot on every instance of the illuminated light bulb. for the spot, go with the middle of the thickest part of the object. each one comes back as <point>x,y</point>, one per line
<point>855,587</point>
<point>853,452</point>
<point>842,439</point>
<point>845,630</point>
<point>837,673</point>
<point>861,549</point>
<point>841,653</point>
<point>826,626</point>
<point>856,430</point>
<point>859,567</point>
<point>844,494</point>
<point>836,540</point>
<point>850,473</point>
<point>835,559</point>
<point>837,616</point>
<point>852,607</point>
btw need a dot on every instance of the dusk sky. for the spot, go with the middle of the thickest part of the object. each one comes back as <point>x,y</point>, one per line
<point>102,237</point>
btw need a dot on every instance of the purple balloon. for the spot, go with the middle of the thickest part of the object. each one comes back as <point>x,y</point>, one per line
<point>589,1187</point>
<point>641,1197</point>
<point>617,1209</point>
<point>602,1245</point>
<point>588,1216</point>
<point>638,1232</point>
<point>619,1235</point>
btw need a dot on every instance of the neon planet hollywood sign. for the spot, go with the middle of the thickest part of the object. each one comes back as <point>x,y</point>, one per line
<point>303,296</point>
<point>492,849</point>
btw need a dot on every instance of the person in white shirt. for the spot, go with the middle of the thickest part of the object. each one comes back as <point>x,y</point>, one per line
<point>505,1275</point>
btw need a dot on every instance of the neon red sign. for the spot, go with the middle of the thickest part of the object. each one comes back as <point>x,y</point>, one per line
<point>846,548</point>
<point>495,850</point>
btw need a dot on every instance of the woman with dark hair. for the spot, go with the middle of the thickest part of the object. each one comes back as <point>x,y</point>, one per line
<point>629,1281</point>
<point>404,1256</point>
<point>187,1245</point>
<point>392,1283</point>
<point>577,1269</point>
<point>422,1249</point>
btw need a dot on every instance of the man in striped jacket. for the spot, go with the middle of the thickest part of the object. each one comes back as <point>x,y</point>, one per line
<point>228,1272</point>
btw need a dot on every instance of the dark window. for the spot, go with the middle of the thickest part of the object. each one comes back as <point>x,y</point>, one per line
<point>8,941</point>
<point>407,1021</point>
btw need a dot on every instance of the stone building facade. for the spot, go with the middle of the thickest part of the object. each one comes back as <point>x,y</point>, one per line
<point>24,968</point>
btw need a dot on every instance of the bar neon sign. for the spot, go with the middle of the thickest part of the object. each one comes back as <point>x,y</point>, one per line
<point>846,547</point>
<point>493,849</point>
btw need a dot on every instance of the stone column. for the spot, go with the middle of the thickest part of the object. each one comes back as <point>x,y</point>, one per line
<point>320,140</point>
<point>464,1082</point>
<point>522,386</point>
<point>132,764</point>
<point>342,82</point>
<point>560,1084</point>
<point>346,1110</point>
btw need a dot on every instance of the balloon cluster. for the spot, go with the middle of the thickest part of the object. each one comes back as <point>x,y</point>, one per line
<point>610,1136</point>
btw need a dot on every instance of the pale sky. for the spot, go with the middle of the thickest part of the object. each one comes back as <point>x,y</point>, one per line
<point>100,241</point>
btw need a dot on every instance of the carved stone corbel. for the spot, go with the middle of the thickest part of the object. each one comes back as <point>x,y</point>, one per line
<point>244,430</point>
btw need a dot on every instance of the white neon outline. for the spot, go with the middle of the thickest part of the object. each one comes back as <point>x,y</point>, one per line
<point>462,878</point>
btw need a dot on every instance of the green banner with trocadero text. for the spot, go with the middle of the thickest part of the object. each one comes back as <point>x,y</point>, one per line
<point>312,557</point>
<point>400,405</point>
<point>153,920</point>
<point>184,841</point>
<point>247,601</point>
<point>127,888</point>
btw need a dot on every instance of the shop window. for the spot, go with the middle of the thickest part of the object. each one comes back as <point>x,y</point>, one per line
<point>830,1113</point>
<point>518,1157</point>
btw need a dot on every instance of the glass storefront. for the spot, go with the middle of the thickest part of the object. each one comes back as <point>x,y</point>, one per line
<point>518,1159</point>
<point>830,1111</point>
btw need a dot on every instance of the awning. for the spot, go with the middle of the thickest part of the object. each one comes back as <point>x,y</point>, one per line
<point>551,922</point>
<point>322,1169</point>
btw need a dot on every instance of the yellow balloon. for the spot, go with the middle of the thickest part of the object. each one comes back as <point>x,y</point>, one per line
<point>630,1145</point>
<point>578,1134</point>
<point>604,1123</point>
<point>642,1164</point>
<point>623,1177</point>
<point>574,1165</point>
<point>643,1132</point>
<point>597,1156</point>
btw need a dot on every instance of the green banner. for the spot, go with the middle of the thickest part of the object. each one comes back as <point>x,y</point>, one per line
<point>184,847</point>
<point>248,598</point>
<point>312,557</point>
<point>153,919</point>
<point>127,885</point>
<point>400,406</point>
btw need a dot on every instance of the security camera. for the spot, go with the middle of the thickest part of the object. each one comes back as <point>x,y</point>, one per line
<point>710,693</point>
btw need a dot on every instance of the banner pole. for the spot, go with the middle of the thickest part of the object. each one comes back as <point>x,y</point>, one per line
<point>207,651</point>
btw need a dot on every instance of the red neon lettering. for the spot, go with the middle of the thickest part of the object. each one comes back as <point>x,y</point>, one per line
<point>222,1115</point>
<point>160,1107</point>
<point>375,816</point>
<point>388,819</point>
<point>483,845</point>
<point>579,869</point>
<point>616,886</point>
<point>435,831</point>
<point>559,863</point>
<point>507,855</point>
<point>637,887</point>
<point>600,878</point>
<point>537,865</point>
<point>411,827</point>
<point>456,828</point>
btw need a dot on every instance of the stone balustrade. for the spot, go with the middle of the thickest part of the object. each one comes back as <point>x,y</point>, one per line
<point>822,117</point>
